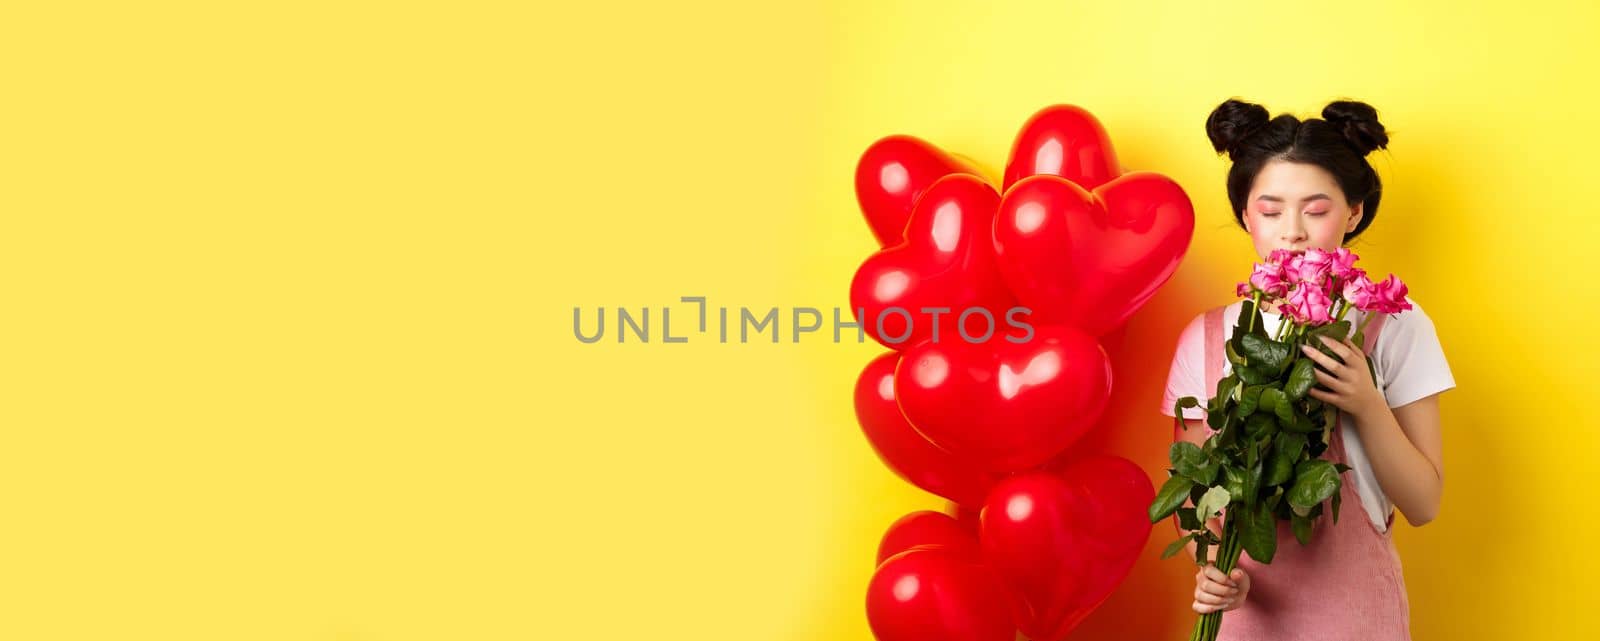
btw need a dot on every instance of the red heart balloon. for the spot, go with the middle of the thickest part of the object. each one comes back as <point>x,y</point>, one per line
<point>934,593</point>
<point>892,173</point>
<point>1062,542</point>
<point>946,261</point>
<point>926,527</point>
<point>1065,141</point>
<point>966,516</point>
<point>902,449</point>
<point>1005,406</point>
<point>1091,259</point>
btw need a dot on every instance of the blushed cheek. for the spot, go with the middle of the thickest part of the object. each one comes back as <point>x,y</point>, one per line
<point>1327,229</point>
<point>1262,231</point>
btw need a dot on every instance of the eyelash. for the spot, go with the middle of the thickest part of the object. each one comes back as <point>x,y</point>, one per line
<point>1270,214</point>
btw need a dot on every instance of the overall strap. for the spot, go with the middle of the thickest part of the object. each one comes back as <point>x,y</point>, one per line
<point>1368,344</point>
<point>1374,327</point>
<point>1215,355</point>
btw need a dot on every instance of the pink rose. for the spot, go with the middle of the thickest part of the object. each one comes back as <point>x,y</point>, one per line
<point>1310,306</point>
<point>1361,293</point>
<point>1391,295</point>
<point>1270,279</point>
<point>1242,290</point>
<point>1312,267</point>
<point>1343,265</point>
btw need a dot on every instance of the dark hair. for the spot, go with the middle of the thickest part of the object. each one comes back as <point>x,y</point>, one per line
<point>1338,142</point>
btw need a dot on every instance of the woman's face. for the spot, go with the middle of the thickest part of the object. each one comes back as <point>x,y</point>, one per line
<point>1297,206</point>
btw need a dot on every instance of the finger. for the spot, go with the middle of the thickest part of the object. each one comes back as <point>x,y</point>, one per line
<point>1215,590</point>
<point>1201,608</point>
<point>1216,575</point>
<point>1327,362</point>
<point>1330,381</point>
<point>1331,398</point>
<point>1338,348</point>
<point>1208,598</point>
<point>1357,355</point>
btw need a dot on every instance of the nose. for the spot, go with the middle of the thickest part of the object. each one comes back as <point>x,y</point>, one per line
<point>1295,231</point>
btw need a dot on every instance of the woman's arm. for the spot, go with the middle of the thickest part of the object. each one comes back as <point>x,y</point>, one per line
<point>1403,444</point>
<point>1213,590</point>
<point>1406,451</point>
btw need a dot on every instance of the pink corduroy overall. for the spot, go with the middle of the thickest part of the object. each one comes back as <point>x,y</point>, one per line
<point>1346,585</point>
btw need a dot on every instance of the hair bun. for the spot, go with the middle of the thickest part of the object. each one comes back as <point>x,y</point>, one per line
<point>1232,122</point>
<point>1358,122</point>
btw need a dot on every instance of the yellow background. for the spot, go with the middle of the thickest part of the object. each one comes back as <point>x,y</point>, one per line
<point>286,346</point>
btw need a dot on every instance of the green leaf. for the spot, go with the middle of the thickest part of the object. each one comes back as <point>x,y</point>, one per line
<point>1249,400</point>
<point>1260,324</point>
<point>1187,519</point>
<point>1192,462</point>
<point>1172,494</point>
<point>1233,481</point>
<point>1336,330</point>
<point>1177,410</point>
<point>1216,418</point>
<point>1314,482</point>
<point>1260,426</point>
<point>1260,533</point>
<point>1271,398</point>
<point>1228,435</point>
<point>1212,503</point>
<point>1252,484</point>
<point>1302,528</point>
<point>1247,308</point>
<point>1286,450</point>
<point>1252,375</point>
<point>1301,424</point>
<point>1284,408</point>
<point>1336,498</point>
<point>1243,325</point>
<point>1265,352</point>
<point>1176,545</point>
<point>1233,354</point>
<point>1301,378</point>
<point>1224,390</point>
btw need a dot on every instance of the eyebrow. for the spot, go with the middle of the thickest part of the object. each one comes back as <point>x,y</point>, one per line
<point>1307,199</point>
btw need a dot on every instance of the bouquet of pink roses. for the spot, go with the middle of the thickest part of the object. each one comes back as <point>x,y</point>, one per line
<point>1263,463</point>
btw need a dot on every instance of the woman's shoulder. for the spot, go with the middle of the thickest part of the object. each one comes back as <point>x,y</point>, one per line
<point>1409,357</point>
<point>1193,336</point>
<point>1411,324</point>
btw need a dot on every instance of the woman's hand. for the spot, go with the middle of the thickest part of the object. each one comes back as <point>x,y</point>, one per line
<point>1349,385</point>
<point>1213,591</point>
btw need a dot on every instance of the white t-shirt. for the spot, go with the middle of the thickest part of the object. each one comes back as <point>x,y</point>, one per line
<point>1408,358</point>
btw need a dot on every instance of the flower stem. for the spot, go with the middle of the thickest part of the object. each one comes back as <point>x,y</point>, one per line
<point>1363,326</point>
<point>1210,624</point>
<point>1255,310</point>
